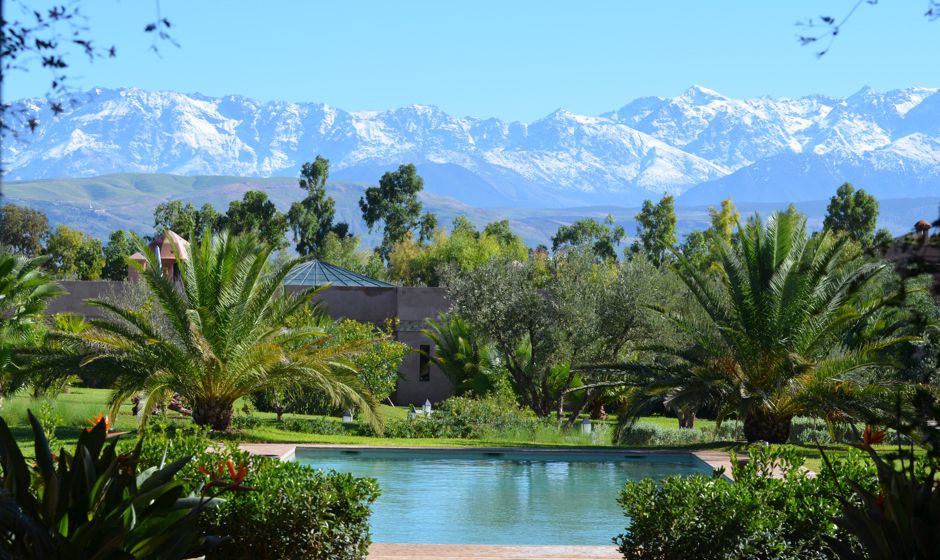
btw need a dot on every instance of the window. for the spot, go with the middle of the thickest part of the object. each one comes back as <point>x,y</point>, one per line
<point>424,363</point>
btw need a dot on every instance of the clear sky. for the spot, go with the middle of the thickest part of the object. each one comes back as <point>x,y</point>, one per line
<point>512,59</point>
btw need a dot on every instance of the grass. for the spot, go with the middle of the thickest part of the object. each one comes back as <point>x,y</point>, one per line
<point>74,410</point>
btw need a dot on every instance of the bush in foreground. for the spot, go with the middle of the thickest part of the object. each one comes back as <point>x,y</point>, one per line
<point>291,511</point>
<point>757,516</point>
<point>94,502</point>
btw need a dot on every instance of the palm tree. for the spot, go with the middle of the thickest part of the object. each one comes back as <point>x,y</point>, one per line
<point>219,334</point>
<point>25,289</point>
<point>468,362</point>
<point>776,332</point>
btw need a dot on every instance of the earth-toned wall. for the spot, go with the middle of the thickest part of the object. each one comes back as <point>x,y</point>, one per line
<point>411,306</point>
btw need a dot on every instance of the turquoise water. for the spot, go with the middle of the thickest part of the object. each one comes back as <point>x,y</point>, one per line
<point>476,497</point>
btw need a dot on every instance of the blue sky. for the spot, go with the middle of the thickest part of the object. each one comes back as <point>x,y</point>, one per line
<point>511,59</point>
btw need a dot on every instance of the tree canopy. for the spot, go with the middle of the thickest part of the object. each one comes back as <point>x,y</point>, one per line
<point>394,202</point>
<point>75,254</point>
<point>311,219</point>
<point>23,229</point>
<point>121,245</point>
<point>656,229</point>
<point>853,213</point>
<point>255,213</point>
<point>601,238</point>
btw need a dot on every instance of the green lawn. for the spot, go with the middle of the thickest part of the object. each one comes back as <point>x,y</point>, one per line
<point>75,410</point>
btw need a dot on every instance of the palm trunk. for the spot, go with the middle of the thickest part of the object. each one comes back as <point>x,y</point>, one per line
<point>686,419</point>
<point>761,425</point>
<point>215,413</point>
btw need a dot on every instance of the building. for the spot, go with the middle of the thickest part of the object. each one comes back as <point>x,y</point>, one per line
<point>349,296</point>
<point>355,296</point>
<point>163,245</point>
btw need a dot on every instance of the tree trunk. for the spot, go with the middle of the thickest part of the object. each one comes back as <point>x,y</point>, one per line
<point>686,419</point>
<point>215,413</point>
<point>760,425</point>
<point>582,404</point>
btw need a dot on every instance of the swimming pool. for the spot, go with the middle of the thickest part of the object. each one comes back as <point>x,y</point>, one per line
<point>498,496</point>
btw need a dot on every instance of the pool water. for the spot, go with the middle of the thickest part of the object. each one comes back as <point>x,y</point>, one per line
<point>506,497</point>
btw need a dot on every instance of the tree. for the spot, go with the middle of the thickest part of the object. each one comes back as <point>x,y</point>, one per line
<point>588,233</point>
<point>426,227</point>
<point>344,251</point>
<point>24,292</point>
<point>883,238</point>
<point>223,334</point>
<point>697,249</point>
<point>185,219</point>
<point>175,216</point>
<point>256,214</point>
<point>470,363</point>
<point>501,302</point>
<point>75,254</point>
<point>701,247</point>
<point>23,229</point>
<point>311,219</point>
<point>120,246</point>
<point>395,203</point>
<point>852,213</point>
<point>656,229</point>
<point>502,232</point>
<point>206,218</point>
<point>550,329</point>
<point>780,334</point>
<point>415,264</point>
<point>724,221</point>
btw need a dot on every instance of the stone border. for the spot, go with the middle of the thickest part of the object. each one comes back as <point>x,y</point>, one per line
<point>287,451</point>
<point>384,551</point>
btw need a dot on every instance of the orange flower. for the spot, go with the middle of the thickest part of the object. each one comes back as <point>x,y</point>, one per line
<point>880,502</point>
<point>235,477</point>
<point>871,436</point>
<point>97,420</point>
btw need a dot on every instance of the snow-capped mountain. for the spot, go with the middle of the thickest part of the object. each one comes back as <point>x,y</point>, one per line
<point>700,143</point>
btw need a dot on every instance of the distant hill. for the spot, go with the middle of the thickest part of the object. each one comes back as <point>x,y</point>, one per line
<point>100,205</point>
<point>699,144</point>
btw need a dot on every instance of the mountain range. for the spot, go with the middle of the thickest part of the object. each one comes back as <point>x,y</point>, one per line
<point>700,145</point>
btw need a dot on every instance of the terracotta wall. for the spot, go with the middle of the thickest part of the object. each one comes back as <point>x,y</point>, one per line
<point>412,307</point>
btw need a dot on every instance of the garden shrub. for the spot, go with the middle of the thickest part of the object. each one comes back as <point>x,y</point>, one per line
<point>805,431</point>
<point>245,422</point>
<point>464,418</point>
<point>641,435</point>
<point>755,517</point>
<point>469,417</point>
<point>295,511</point>
<point>291,511</point>
<point>313,426</point>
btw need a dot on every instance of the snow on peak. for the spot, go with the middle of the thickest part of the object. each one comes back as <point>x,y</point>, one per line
<point>648,146</point>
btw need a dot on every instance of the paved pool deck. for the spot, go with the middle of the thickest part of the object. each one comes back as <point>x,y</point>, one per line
<point>381,551</point>
<point>287,451</point>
